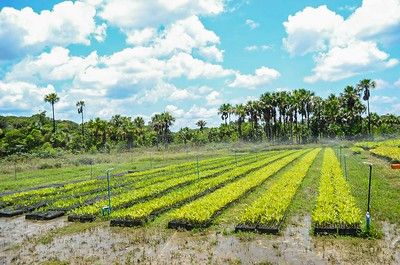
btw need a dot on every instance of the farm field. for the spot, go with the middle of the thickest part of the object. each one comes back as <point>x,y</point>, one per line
<point>286,205</point>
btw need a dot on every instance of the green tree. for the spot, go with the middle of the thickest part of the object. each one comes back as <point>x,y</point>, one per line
<point>80,105</point>
<point>365,86</point>
<point>201,124</point>
<point>52,98</point>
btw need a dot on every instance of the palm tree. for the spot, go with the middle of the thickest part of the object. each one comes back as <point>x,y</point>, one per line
<point>201,124</point>
<point>225,110</point>
<point>52,98</point>
<point>80,105</point>
<point>240,111</point>
<point>366,85</point>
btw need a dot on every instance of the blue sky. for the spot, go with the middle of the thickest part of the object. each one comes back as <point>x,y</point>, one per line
<point>187,57</point>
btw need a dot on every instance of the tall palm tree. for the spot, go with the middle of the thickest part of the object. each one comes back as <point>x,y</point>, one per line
<point>80,105</point>
<point>201,124</point>
<point>225,110</point>
<point>52,98</point>
<point>240,111</point>
<point>366,85</point>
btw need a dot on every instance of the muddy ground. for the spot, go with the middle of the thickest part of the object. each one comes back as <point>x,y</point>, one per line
<point>58,241</point>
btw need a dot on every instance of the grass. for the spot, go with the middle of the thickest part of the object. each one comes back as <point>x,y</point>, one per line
<point>30,176</point>
<point>385,189</point>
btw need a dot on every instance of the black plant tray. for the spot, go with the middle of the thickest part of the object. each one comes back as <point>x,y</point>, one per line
<point>268,229</point>
<point>10,212</point>
<point>127,222</point>
<point>44,215</point>
<point>349,230</point>
<point>245,228</point>
<point>179,224</point>
<point>81,218</point>
<point>325,230</point>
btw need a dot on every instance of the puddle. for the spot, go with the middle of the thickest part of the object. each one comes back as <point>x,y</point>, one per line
<point>150,245</point>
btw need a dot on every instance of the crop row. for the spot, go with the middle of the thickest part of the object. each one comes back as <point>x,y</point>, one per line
<point>390,152</point>
<point>131,196</point>
<point>335,206</point>
<point>201,212</point>
<point>86,189</point>
<point>142,211</point>
<point>139,182</point>
<point>375,144</point>
<point>270,208</point>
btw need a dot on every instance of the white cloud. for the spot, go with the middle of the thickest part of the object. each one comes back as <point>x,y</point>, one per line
<point>67,23</point>
<point>262,76</point>
<point>309,30</point>
<point>181,94</point>
<point>22,96</point>
<point>54,65</point>
<point>381,84</point>
<point>337,42</point>
<point>141,37</point>
<point>383,99</point>
<point>214,98</point>
<point>184,64</point>
<point>175,111</point>
<point>253,48</point>
<point>128,14</point>
<point>252,24</point>
<point>356,58</point>
<point>397,83</point>
<point>212,53</point>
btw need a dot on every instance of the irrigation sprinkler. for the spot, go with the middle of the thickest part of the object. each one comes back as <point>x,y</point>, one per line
<point>106,210</point>
<point>91,169</point>
<point>368,214</point>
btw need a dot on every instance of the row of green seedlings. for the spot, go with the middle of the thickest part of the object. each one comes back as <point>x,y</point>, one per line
<point>375,144</point>
<point>59,207</point>
<point>336,210</point>
<point>140,213</point>
<point>135,195</point>
<point>73,203</point>
<point>201,212</point>
<point>391,153</point>
<point>267,213</point>
<point>74,195</point>
<point>90,184</point>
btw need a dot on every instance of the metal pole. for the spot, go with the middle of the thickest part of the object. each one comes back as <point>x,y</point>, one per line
<point>91,169</point>
<point>15,169</point>
<point>345,167</point>
<point>368,214</point>
<point>198,171</point>
<point>151,164</point>
<point>369,187</point>
<point>109,190</point>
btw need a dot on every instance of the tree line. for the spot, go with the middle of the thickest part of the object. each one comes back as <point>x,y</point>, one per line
<point>297,117</point>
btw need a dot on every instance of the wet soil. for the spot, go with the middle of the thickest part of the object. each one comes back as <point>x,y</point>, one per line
<point>101,244</point>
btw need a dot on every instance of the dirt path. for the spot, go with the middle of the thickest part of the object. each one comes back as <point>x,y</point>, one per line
<point>102,244</point>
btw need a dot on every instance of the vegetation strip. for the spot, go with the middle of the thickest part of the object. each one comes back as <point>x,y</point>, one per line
<point>200,213</point>
<point>267,213</point>
<point>89,199</point>
<point>142,212</point>
<point>129,198</point>
<point>391,153</point>
<point>81,190</point>
<point>336,210</point>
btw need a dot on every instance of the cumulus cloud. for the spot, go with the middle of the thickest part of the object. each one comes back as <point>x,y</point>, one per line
<point>214,98</point>
<point>397,83</point>
<point>252,24</point>
<point>336,42</point>
<point>128,14</point>
<point>22,96</point>
<point>252,48</point>
<point>67,23</point>
<point>343,62</point>
<point>262,76</point>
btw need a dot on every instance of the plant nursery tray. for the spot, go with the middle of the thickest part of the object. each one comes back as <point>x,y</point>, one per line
<point>81,218</point>
<point>126,222</point>
<point>44,215</point>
